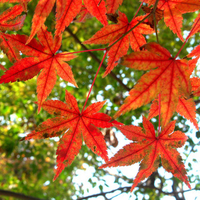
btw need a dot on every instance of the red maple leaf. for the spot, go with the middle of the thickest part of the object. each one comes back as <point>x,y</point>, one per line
<point>170,79</point>
<point>12,19</point>
<point>43,57</point>
<point>148,149</point>
<point>74,125</point>
<point>110,33</point>
<point>173,11</point>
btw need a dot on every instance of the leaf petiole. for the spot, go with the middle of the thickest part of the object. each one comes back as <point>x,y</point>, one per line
<point>94,80</point>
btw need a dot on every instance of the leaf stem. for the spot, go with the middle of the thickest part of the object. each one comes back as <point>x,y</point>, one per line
<point>138,9</point>
<point>94,80</point>
<point>180,49</point>
<point>159,110</point>
<point>89,50</point>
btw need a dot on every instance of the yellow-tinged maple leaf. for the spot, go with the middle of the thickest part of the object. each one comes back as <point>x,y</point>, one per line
<point>185,107</point>
<point>170,79</point>
<point>148,149</point>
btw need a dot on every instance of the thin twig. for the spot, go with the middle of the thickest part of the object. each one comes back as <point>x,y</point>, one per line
<point>159,117</point>
<point>94,80</point>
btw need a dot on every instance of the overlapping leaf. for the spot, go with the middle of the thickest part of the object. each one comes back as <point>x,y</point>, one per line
<point>173,11</point>
<point>74,125</point>
<point>2,67</point>
<point>9,49</point>
<point>195,52</point>
<point>42,56</point>
<point>66,11</point>
<point>112,5</point>
<point>185,107</point>
<point>110,33</point>
<point>195,26</point>
<point>98,9</point>
<point>148,149</point>
<point>12,19</point>
<point>83,15</point>
<point>158,15</point>
<point>170,79</point>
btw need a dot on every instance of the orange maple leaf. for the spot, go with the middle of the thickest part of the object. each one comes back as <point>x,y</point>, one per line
<point>170,79</point>
<point>110,33</point>
<point>173,11</point>
<point>43,57</point>
<point>74,125</point>
<point>185,107</point>
<point>148,149</point>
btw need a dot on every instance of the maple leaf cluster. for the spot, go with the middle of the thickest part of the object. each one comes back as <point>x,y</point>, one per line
<point>167,83</point>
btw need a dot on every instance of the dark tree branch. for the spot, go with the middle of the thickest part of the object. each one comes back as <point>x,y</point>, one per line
<point>125,189</point>
<point>17,195</point>
<point>197,101</point>
<point>95,58</point>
